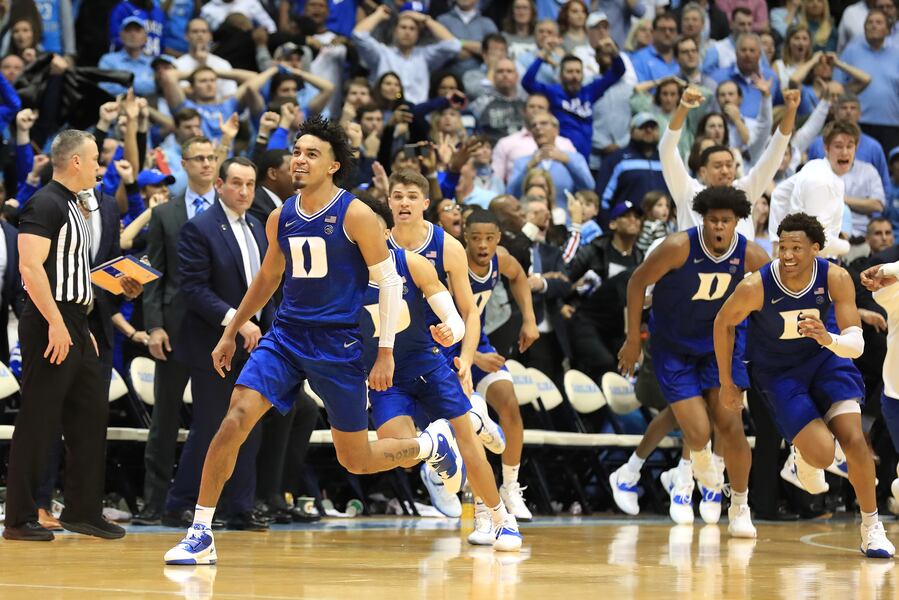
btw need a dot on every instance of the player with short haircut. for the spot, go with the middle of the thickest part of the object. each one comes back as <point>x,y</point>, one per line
<point>694,272</point>
<point>326,245</point>
<point>805,373</point>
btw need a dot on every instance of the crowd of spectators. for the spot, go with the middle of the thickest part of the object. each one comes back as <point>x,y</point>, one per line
<point>547,113</point>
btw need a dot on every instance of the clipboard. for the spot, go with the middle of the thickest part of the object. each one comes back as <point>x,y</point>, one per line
<point>108,274</point>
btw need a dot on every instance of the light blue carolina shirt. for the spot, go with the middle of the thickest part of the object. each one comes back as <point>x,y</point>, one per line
<point>880,100</point>
<point>140,66</point>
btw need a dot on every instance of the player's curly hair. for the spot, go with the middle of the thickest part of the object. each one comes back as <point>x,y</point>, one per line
<point>803,222</point>
<point>722,197</point>
<point>331,132</point>
<point>379,207</point>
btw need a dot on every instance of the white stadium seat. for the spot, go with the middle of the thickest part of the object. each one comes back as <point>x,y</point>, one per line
<point>188,397</point>
<point>525,387</point>
<point>619,394</point>
<point>117,387</point>
<point>583,393</point>
<point>8,383</point>
<point>547,391</point>
<point>143,374</point>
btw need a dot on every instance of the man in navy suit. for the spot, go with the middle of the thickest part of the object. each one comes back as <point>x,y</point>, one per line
<point>220,252</point>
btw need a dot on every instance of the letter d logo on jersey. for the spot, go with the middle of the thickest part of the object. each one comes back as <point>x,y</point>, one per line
<point>309,257</point>
<point>712,286</point>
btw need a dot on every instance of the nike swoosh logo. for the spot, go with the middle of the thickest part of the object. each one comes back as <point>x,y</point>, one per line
<point>697,260</point>
<point>777,300</point>
<point>345,345</point>
<point>289,223</point>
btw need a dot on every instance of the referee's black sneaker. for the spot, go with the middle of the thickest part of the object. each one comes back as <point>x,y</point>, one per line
<point>100,528</point>
<point>32,531</point>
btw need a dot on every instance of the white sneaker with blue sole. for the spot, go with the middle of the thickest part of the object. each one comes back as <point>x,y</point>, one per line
<point>488,430</point>
<point>448,504</point>
<point>875,543</point>
<point>197,548</point>
<point>445,458</point>
<point>508,538</point>
<point>483,527</point>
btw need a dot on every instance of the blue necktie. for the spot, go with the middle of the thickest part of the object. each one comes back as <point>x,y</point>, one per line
<point>199,205</point>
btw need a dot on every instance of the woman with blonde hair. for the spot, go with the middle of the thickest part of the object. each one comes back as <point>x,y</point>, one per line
<point>639,36</point>
<point>796,49</point>
<point>814,15</point>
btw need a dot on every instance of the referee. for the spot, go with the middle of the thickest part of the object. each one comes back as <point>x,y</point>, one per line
<point>62,388</point>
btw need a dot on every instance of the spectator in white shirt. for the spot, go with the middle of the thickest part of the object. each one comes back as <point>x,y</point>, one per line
<point>717,166</point>
<point>818,189</point>
<point>199,40</point>
<point>413,63</point>
<point>216,11</point>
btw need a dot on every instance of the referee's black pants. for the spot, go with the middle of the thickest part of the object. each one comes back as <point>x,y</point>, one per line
<point>68,397</point>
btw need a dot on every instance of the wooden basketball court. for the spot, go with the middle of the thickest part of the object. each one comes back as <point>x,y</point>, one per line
<point>378,558</point>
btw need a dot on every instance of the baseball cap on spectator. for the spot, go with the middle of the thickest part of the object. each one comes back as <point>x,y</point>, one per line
<point>413,6</point>
<point>596,18</point>
<point>154,177</point>
<point>642,118</point>
<point>286,49</point>
<point>622,208</point>
<point>133,20</point>
<point>162,58</point>
<point>894,154</point>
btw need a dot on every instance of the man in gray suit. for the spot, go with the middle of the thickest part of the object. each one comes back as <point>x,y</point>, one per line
<point>162,316</point>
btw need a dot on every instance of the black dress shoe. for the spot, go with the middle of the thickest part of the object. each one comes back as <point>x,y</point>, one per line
<point>28,532</point>
<point>248,521</point>
<point>147,518</point>
<point>180,520</point>
<point>273,512</point>
<point>100,528</point>
<point>301,516</point>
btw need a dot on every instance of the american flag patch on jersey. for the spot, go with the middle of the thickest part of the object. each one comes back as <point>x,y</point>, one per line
<point>735,261</point>
<point>431,254</point>
<point>331,219</point>
<point>820,290</point>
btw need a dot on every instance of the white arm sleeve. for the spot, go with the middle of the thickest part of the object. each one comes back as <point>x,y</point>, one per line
<point>849,344</point>
<point>443,306</point>
<point>390,297</point>
<point>891,269</point>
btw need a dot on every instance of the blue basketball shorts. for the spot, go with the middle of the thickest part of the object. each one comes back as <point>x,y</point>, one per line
<point>329,357</point>
<point>798,395</point>
<point>683,376</point>
<point>435,395</point>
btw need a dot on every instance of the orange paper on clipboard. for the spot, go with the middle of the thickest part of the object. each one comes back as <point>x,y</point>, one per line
<point>108,274</point>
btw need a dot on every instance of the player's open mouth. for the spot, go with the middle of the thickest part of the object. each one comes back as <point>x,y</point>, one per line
<point>719,238</point>
<point>843,162</point>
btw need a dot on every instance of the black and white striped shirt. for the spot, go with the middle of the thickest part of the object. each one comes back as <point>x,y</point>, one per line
<point>53,213</point>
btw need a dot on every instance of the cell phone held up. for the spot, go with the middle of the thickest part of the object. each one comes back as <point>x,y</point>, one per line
<point>410,151</point>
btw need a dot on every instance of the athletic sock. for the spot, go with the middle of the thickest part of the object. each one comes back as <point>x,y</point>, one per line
<point>869,519</point>
<point>425,445</point>
<point>498,513</point>
<point>510,473</point>
<point>635,463</point>
<point>738,498</point>
<point>685,466</point>
<point>203,515</point>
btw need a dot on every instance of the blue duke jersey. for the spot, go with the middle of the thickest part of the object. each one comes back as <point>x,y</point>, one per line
<point>432,249</point>
<point>687,299</point>
<point>325,276</point>
<point>774,339</point>
<point>481,289</point>
<point>414,351</point>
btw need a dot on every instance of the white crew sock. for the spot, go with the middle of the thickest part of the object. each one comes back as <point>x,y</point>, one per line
<point>685,466</point>
<point>635,463</point>
<point>738,498</point>
<point>869,519</point>
<point>425,445</point>
<point>499,514</point>
<point>203,515</point>
<point>510,473</point>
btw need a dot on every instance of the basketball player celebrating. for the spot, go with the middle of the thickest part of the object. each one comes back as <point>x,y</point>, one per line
<point>424,382</point>
<point>883,280</point>
<point>408,200</point>
<point>486,262</point>
<point>807,379</point>
<point>326,245</point>
<point>694,272</point>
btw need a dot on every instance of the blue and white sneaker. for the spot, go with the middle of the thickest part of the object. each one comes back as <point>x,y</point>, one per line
<point>441,499</point>
<point>710,503</point>
<point>875,543</point>
<point>624,490</point>
<point>488,430</point>
<point>197,548</point>
<point>483,526</point>
<point>680,490</point>
<point>507,537</point>
<point>839,466</point>
<point>445,458</point>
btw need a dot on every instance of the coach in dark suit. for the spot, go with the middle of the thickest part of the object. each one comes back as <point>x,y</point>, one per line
<point>12,295</point>
<point>275,183</point>
<point>163,312</point>
<point>220,252</point>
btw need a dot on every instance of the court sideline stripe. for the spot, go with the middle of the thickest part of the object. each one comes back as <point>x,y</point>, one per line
<point>809,539</point>
<point>178,593</point>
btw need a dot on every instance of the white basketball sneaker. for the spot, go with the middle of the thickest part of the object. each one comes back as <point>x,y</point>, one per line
<point>447,503</point>
<point>839,466</point>
<point>875,543</point>
<point>513,497</point>
<point>740,521</point>
<point>680,489</point>
<point>705,469</point>
<point>488,430</point>
<point>624,489</point>
<point>483,527</point>
<point>445,458</point>
<point>197,548</point>
<point>508,538</point>
<point>710,502</point>
<point>812,479</point>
